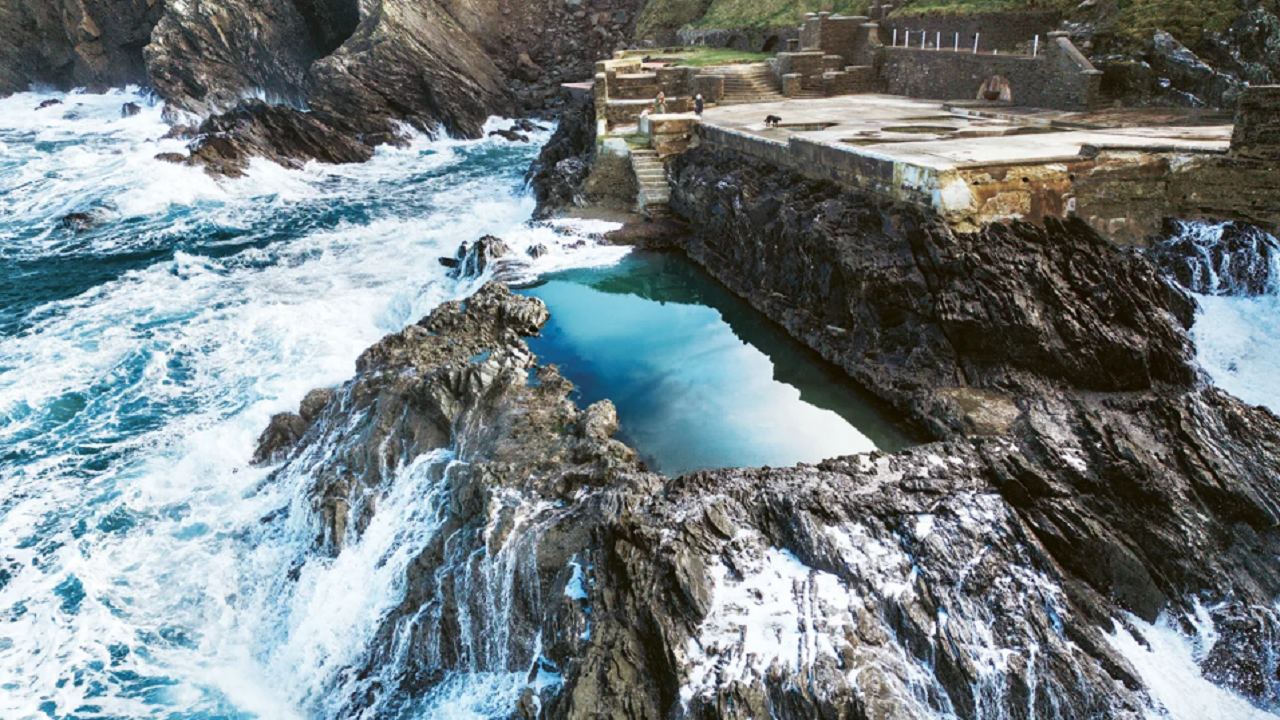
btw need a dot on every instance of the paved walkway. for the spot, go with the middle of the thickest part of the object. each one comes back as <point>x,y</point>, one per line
<point>928,134</point>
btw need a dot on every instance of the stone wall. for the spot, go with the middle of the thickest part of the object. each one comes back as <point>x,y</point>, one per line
<point>853,39</point>
<point>711,87</point>
<point>1061,78</point>
<point>1123,194</point>
<point>853,80</point>
<point>999,31</point>
<point>807,66</point>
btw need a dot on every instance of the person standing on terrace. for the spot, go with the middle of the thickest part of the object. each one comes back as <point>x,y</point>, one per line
<point>660,104</point>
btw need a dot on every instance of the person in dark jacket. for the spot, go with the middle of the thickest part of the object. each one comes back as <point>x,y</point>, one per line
<point>697,104</point>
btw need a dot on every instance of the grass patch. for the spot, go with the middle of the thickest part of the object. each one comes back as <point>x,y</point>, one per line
<point>701,56</point>
<point>1132,19</point>
<point>665,15</point>
<point>721,56</point>
<point>771,13</point>
<point>953,8</point>
<point>1184,19</point>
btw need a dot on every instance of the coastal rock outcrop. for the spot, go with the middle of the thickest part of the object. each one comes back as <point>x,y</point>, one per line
<point>994,572</point>
<point>912,309</point>
<point>559,175</point>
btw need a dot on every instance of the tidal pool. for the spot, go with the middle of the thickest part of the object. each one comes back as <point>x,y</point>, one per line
<point>700,379</point>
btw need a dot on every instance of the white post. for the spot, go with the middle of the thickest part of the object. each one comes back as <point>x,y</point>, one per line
<point>975,42</point>
<point>895,37</point>
<point>924,38</point>
<point>1035,47</point>
<point>937,41</point>
<point>957,42</point>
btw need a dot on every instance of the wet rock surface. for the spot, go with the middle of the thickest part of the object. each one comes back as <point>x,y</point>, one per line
<point>559,175</point>
<point>1086,481</point>
<point>910,308</point>
<point>1229,259</point>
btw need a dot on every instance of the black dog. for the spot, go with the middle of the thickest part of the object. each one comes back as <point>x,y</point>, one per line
<point>772,121</point>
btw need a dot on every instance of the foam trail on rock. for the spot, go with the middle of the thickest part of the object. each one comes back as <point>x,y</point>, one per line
<point>1168,660</point>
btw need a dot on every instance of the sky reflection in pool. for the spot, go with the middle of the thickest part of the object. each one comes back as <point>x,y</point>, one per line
<point>700,379</point>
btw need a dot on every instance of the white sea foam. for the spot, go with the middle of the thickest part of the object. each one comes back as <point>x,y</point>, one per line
<point>129,410</point>
<point>1167,661</point>
<point>1238,344</point>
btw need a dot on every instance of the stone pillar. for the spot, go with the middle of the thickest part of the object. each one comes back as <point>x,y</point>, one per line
<point>792,84</point>
<point>711,87</point>
<point>1257,133</point>
<point>868,44</point>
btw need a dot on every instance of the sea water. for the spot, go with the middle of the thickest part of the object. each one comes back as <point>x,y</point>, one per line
<point>146,569</point>
<point>139,360</point>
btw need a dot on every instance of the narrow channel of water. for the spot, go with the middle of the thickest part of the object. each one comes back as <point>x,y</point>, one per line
<point>701,380</point>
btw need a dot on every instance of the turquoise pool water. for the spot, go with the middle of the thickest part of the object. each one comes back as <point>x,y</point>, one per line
<point>701,380</point>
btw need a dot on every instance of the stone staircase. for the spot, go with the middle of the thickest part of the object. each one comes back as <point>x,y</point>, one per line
<point>752,83</point>
<point>652,176</point>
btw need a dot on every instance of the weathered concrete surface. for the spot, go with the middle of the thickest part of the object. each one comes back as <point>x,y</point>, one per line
<point>1123,172</point>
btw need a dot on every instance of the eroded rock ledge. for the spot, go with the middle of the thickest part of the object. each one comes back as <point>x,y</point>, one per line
<point>1087,479</point>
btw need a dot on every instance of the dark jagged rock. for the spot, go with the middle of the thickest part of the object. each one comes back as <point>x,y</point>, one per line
<point>509,135</point>
<point>560,173</point>
<point>279,439</point>
<point>130,110</point>
<point>1187,73</point>
<point>48,103</point>
<point>1227,259</point>
<point>918,309</point>
<point>96,44</point>
<point>977,575</point>
<point>473,259</point>
<point>363,68</point>
<point>227,143</point>
<point>286,430</point>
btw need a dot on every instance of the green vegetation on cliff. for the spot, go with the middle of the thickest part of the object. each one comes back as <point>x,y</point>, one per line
<point>1136,19</point>
<point>1133,19</point>
<point>664,15</point>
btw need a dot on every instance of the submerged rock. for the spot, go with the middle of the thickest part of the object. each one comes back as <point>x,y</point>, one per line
<point>78,222</point>
<point>130,110</point>
<point>48,103</point>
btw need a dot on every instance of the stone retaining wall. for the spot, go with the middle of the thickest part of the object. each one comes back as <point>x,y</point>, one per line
<point>1123,194</point>
<point>1061,78</point>
<point>999,31</point>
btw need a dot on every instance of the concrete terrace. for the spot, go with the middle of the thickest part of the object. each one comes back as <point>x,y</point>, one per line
<point>978,162</point>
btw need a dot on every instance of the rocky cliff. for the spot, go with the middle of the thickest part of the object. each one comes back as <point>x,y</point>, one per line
<point>1085,483</point>
<point>95,44</point>
<point>358,70</point>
